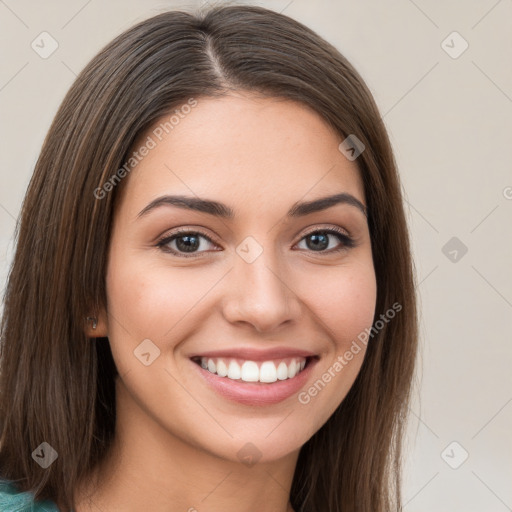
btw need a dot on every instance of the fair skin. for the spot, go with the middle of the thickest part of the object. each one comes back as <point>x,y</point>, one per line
<point>176,437</point>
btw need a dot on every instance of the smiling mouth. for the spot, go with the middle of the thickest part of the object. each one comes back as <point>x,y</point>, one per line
<point>265,372</point>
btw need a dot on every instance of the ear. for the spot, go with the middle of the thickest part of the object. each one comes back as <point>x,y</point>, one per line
<point>96,325</point>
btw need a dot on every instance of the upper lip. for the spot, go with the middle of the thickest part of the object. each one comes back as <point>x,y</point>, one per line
<point>252,354</point>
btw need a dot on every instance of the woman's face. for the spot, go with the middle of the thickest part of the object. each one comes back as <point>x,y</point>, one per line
<point>260,287</point>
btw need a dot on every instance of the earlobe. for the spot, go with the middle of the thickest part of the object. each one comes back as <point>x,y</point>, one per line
<point>96,326</point>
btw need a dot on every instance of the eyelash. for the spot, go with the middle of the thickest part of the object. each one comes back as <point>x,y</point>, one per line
<point>347,241</point>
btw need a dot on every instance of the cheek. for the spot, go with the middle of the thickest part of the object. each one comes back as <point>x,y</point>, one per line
<point>344,308</point>
<point>345,303</point>
<point>153,301</point>
<point>147,303</point>
<point>136,297</point>
<point>141,295</point>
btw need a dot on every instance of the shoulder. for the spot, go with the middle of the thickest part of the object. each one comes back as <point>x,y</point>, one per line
<point>12,500</point>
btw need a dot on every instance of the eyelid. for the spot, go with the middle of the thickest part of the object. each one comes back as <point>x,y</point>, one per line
<point>326,227</point>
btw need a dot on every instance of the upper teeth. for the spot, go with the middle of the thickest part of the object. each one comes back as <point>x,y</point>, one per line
<point>251,371</point>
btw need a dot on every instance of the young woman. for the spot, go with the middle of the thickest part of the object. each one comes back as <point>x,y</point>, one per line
<point>212,304</point>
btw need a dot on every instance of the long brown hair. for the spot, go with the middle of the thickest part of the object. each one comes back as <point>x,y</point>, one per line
<point>57,385</point>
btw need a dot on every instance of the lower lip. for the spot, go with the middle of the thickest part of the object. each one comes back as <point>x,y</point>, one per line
<point>257,393</point>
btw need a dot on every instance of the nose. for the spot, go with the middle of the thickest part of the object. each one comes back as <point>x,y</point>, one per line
<point>261,294</point>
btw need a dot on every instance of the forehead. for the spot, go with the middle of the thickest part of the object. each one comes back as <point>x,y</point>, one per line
<point>243,147</point>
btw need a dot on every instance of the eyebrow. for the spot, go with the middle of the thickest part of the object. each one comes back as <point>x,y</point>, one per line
<point>223,211</point>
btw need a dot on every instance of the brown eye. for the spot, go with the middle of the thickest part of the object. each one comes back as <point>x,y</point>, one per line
<point>186,243</point>
<point>318,241</point>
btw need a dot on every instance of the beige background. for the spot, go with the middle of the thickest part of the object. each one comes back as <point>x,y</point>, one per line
<point>450,121</point>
